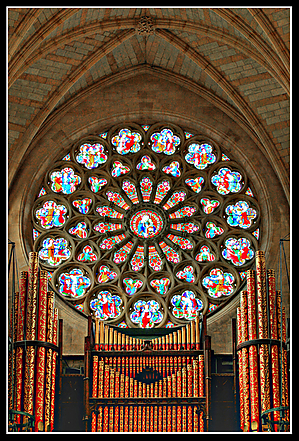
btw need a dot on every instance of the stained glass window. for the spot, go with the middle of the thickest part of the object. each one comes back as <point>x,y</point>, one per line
<point>132,285</point>
<point>130,190</point>
<point>117,199</point>
<point>186,305</point>
<point>106,305</point>
<point>165,142</point>
<point>54,251</point>
<point>218,283</point>
<point>105,274</point>
<point>79,230</point>
<point>73,283</point>
<point>146,186</point>
<point>91,155</point>
<point>126,141</point>
<point>200,155</point>
<point>64,181</point>
<point>51,215</point>
<point>146,313</point>
<point>146,225</point>
<point>172,169</point>
<point>160,285</point>
<point>96,183</point>
<point>87,255</point>
<point>82,205</point>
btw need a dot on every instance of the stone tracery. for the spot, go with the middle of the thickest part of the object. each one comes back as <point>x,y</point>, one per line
<point>165,209</point>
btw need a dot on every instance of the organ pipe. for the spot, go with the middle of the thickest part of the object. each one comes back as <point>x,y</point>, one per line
<point>261,338</point>
<point>34,352</point>
<point>150,386</point>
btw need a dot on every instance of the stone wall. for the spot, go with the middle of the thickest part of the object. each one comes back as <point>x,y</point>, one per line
<point>146,95</point>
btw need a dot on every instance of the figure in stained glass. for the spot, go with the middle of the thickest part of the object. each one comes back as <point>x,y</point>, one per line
<point>238,251</point>
<point>195,183</point>
<point>105,274</point>
<point>205,255</point>
<point>73,283</point>
<point>82,205</point>
<point>200,155</point>
<point>126,141</point>
<point>172,169</point>
<point>240,214</point>
<point>106,305</point>
<point>219,283</point>
<point>186,305</point>
<point>146,164</point>
<point>91,155</point>
<point>64,181</point>
<point>54,251</point>
<point>209,205</point>
<point>119,169</point>
<point>212,230</point>
<point>132,285</point>
<point>165,142</point>
<point>160,285</point>
<point>227,181</point>
<point>146,223</point>
<point>87,255</point>
<point>146,313</point>
<point>96,183</point>
<point>186,274</point>
<point>79,230</point>
<point>51,215</point>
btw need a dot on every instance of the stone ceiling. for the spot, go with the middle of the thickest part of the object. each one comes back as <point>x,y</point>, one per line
<point>240,56</point>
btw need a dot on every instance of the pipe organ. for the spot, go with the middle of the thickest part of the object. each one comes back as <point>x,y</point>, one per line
<point>138,385</point>
<point>148,380</point>
<point>34,336</point>
<point>262,355</point>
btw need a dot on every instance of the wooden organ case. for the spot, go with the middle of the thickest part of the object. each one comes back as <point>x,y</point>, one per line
<point>153,383</point>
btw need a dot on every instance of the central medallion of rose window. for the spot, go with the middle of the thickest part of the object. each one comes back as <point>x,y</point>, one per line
<point>146,224</point>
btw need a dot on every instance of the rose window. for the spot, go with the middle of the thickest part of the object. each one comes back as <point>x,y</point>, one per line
<point>146,226</point>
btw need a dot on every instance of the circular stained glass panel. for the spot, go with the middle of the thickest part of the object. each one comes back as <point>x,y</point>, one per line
<point>165,208</point>
<point>146,224</point>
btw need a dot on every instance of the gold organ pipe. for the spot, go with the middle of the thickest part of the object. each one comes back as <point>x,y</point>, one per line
<point>259,317</point>
<point>115,377</point>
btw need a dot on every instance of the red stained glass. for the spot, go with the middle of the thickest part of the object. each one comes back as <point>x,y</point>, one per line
<point>146,223</point>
